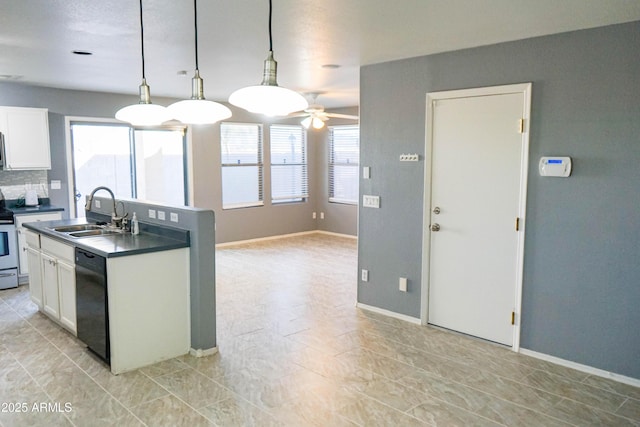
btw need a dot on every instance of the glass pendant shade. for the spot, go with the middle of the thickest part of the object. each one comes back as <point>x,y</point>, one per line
<point>268,98</point>
<point>143,113</point>
<point>198,110</point>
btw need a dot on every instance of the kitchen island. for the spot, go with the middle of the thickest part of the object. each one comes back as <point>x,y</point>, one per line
<point>146,303</point>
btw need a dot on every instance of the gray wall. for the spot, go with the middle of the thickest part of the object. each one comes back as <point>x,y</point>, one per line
<point>232,225</point>
<point>582,274</point>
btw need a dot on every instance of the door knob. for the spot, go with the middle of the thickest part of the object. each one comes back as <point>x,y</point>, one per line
<point>435,227</point>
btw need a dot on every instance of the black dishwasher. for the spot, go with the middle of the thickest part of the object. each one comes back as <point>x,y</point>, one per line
<point>92,307</point>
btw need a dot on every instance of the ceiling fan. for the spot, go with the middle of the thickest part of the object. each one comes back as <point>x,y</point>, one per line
<point>315,116</point>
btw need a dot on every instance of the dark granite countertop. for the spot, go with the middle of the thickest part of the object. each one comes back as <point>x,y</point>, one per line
<point>35,209</point>
<point>150,239</point>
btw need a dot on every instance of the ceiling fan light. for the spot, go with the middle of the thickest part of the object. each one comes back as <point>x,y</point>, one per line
<point>317,123</point>
<point>306,123</point>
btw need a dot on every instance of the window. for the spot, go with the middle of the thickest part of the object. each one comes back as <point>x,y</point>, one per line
<point>288,164</point>
<point>135,163</point>
<point>241,157</point>
<point>344,158</point>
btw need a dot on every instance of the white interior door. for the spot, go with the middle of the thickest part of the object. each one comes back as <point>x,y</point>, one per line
<point>477,185</point>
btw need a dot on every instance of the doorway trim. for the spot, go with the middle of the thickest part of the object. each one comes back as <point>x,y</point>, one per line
<point>431,98</point>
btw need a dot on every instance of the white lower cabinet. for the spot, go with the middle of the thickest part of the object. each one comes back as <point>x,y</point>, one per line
<point>35,277</point>
<point>23,264</point>
<point>67,294</point>
<point>52,279</point>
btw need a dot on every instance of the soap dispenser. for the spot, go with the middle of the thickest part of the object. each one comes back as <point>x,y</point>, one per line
<point>135,227</point>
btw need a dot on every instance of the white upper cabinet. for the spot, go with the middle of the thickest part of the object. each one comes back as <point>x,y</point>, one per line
<point>26,138</point>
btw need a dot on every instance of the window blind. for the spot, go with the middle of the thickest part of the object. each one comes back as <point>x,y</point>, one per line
<point>344,160</point>
<point>241,158</point>
<point>288,164</point>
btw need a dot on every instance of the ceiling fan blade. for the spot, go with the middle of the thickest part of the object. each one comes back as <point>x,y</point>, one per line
<point>343,116</point>
<point>298,115</point>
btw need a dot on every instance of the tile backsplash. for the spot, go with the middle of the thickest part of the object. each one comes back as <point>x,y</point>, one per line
<point>14,183</point>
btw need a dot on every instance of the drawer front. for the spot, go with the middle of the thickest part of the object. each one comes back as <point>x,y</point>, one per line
<point>21,219</point>
<point>32,239</point>
<point>57,249</point>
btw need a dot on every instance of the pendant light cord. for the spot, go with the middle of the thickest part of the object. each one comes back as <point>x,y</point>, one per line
<point>270,36</point>
<point>142,39</point>
<point>195,25</point>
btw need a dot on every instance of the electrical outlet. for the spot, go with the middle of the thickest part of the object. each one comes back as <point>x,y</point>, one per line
<point>161,215</point>
<point>152,213</point>
<point>313,215</point>
<point>402,284</point>
<point>173,217</point>
<point>321,215</point>
<point>364,275</point>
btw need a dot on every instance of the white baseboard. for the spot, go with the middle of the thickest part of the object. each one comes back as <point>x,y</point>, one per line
<point>202,353</point>
<point>281,236</point>
<point>583,368</point>
<point>331,233</point>
<point>389,313</point>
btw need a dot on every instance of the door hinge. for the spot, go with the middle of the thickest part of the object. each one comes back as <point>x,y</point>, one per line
<point>513,317</point>
<point>517,223</point>
<point>521,126</point>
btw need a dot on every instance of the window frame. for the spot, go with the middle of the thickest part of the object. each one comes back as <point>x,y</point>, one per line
<point>304,179</point>
<point>332,163</point>
<point>259,165</point>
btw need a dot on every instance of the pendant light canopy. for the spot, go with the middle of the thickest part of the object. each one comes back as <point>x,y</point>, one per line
<point>143,113</point>
<point>198,110</point>
<point>268,98</point>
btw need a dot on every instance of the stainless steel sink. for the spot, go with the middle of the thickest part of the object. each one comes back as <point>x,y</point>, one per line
<point>79,227</point>
<point>93,233</point>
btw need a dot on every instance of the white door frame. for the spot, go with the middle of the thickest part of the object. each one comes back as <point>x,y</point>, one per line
<point>432,97</point>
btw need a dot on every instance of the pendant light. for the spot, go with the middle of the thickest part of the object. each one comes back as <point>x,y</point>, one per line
<point>143,113</point>
<point>198,110</point>
<point>267,97</point>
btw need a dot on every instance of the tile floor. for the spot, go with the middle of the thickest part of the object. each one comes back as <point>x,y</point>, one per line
<point>293,351</point>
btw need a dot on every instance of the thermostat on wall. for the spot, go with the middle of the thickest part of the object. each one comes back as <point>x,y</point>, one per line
<point>555,166</point>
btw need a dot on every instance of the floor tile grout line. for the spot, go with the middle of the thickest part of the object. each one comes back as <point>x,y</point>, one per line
<point>515,380</point>
<point>25,369</point>
<point>184,401</point>
<point>76,364</point>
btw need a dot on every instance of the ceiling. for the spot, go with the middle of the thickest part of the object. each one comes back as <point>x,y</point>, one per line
<point>37,38</point>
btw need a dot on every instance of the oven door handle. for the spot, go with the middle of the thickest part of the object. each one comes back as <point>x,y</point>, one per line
<point>7,274</point>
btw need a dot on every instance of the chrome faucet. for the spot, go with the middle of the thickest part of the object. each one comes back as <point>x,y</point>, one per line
<point>115,219</point>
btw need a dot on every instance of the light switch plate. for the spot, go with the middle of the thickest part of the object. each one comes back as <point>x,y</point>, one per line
<point>366,172</point>
<point>371,201</point>
<point>409,157</point>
